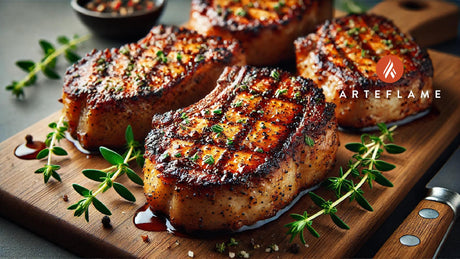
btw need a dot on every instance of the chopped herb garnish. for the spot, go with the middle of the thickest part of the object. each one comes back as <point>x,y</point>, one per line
<point>233,242</point>
<point>124,51</point>
<point>207,112</point>
<point>183,116</point>
<point>229,141</point>
<point>309,141</point>
<point>219,10</point>
<point>162,57</point>
<point>209,159</point>
<point>237,104</point>
<point>297,95</point>
<point>165,155</point>
<point>199,58</point>
<point>260,111</point>
<point>220,247</point>
<point>217,111</point>
<point>241,12</point>
<point>259,150</point>
<point>363,53</point>
<point>278,5</point>
<point>178,155</point>
<point>244,87</point>
<point>100,61</point>
<point>387,42</point>
<point>179,56</point>
<point>349,45</point>
<point>404,51</point>
<point>195,157</point>
<point>280,92</point>
<point>275,75</point>
<point>353,31</point>
<point>241,121</point>
<point>217,128</point>
<point>130,67</point>
<point>375,28</point>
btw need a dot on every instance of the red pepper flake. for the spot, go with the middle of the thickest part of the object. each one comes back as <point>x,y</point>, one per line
<point>145,238</point>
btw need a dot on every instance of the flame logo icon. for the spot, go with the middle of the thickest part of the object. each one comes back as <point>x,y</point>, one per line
<point>390,69</point>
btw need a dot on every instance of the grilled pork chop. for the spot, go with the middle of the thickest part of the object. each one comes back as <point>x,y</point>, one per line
<point>265,28</point>
<point>341,58</point>
<point>240,154</point>
<point>170,68</point>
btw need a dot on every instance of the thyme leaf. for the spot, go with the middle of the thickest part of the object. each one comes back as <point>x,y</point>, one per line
<point>108,176</point>
<point>58,132</point>
<point>47,64</point>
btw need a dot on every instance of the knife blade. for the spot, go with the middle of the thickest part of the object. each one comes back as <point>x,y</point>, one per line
<point>422,233</point>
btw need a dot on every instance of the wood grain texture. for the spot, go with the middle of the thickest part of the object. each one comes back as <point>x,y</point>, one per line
<point>429,231</point>
<point>429,22</point>
<point>39,207</point>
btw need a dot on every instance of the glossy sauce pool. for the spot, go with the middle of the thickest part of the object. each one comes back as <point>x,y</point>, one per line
<point>30,149</point>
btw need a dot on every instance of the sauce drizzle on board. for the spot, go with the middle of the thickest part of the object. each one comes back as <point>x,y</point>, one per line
<point>145,219</point>
<point>30,149</point>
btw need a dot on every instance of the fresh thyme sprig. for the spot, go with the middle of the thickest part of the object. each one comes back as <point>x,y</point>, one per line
<point>58,133</point>
<point>366,159</point>
<point>108,176</point>
<point>47,63</point>
<point>352,6</point>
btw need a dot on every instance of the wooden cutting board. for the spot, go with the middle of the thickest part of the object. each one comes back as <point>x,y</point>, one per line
<point>26,200</point>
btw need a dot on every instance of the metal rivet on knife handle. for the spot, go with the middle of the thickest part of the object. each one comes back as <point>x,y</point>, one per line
<point>428,213</point>
<point>409,240</point>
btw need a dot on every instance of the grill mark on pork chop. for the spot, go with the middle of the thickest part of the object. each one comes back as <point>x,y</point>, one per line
<point>148,73</point>
<point>257,14</point>
<point>348,64</point>
<point>139,79</point>
<point>260,141</point>
<point>382,39</point>
<point>341,57</point>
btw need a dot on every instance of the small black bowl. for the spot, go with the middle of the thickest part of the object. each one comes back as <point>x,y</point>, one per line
<point>117,26</point>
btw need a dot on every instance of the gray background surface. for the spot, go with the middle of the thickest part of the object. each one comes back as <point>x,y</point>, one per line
<point>24,22</point>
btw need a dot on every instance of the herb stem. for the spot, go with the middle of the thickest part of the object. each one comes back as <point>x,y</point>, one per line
<point>364,167</point>
<point>21,84</point>
<point>374,150</point>
<point>108,169</point>
<point>357,162</point>
<point>117,173</point>
<point>53,139</point>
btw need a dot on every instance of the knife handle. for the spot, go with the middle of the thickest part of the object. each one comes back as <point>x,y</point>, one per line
<point>421,233</point>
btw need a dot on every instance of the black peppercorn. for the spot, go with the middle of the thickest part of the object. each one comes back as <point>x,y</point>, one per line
<point>106,222</point>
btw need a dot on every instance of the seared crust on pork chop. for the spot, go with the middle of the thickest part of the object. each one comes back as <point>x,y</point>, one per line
<point>110,89</point>
<point>240,154</point>
<point>265,28</point>
<point>341,57</point>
